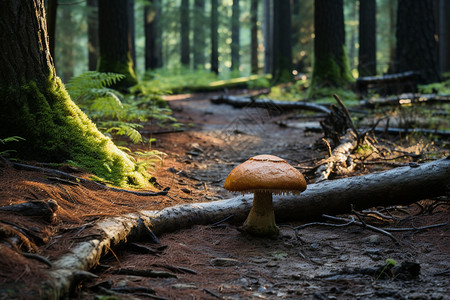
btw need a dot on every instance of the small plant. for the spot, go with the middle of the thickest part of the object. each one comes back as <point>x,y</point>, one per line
<point>389,263</point>
<point>7,140</point>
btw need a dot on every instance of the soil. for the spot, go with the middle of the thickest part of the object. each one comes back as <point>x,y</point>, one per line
<point>219,261</point>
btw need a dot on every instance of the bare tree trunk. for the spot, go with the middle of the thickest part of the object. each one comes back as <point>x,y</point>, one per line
<point>398,186</point>
<point>92,22</point>
<point>185,28</point>
<point>152,28</point>
<point>254,36</point>
<point>199,34</point>
<point>268,36</point>
<point>235,36</point>
<point>444,35</point>
<point>214,37</point>
<point>367,38</point>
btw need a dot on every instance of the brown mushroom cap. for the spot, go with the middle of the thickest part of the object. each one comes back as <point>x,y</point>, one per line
<point>265,173</point>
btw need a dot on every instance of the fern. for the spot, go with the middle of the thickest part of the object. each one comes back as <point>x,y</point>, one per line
<point>8,140</point>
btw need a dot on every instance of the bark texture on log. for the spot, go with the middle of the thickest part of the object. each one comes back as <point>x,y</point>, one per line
<point>403,185</point>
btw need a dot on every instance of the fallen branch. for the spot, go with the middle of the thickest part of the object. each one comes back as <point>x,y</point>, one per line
<point>403,185</point>
<point>268,103</point>
<point>405,99</point>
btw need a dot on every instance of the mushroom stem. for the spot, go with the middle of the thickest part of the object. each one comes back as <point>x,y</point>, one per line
<point>261,219</point>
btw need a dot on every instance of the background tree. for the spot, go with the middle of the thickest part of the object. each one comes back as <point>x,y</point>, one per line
<point>199,34</point>
<point>235,35</point>
<point>268,36</point>
<point>64,59</point>
<point>185,29</point>
<point>254,36</point>
<point>52,8</point>
<point>132,32</point>
<point>92,24</point>
<point>214,36</point>
<point>367,38</point>
<point>444,35</point>
<point>36,106</point>
<point>153,34</point>
<point>416,48</point>
<point>330,68</point>
<point>282,42</point>
<point>114,41</point>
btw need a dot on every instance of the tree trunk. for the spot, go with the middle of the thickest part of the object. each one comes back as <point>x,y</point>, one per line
<point>153,34</point>
<point>404,185</point>
<point>92,23</point>
<point>254,36</point>
<point>132,32</point>
<point>114,41</point>
<point>367,65</point>
<point>330,68</point>
<point>235,36</point>
<point>214,37</point>
<point>268,36</point>
<point>185,24</point>
<point>444,36</point>
<point>199,34</point>
<point>416,45</point>
<point>282,42</point>
<point>36,106</point>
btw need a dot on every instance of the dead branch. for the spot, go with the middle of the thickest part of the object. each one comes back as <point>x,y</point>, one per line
<point>405,99</point>
<point>403,185</point>
<point>240,102</point>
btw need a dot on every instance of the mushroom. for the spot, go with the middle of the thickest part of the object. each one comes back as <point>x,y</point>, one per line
<point>264,175</point>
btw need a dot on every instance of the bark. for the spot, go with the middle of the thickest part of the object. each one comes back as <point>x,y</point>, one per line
<point>214,37</point>
<point>115,41</point>
<point>367,38</point>
<point>416,48</point>
<point>403,185</point>
<point>235,36</point>
<point>330,67</point>
<point>199,34</point>
<point>92,23</point>
<point>254,36</point>
<point>282,42</point>
<point>153,34</point>
<point>185,28</point>
<point>268,103</point>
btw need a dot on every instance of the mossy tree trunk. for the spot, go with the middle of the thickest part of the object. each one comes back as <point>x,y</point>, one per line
<point>36,106</point>
<point>416,48</point>
<point>330,67</point>
<point>115,41</point>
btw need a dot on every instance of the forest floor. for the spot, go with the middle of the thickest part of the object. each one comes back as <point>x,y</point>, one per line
<point>218,261</point>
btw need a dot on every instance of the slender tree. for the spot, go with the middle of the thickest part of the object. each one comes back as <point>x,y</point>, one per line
<point>268,36</point>
<point>444,35</point>
<point>282,42</point>
<point>36,106</point>
<point>65,60</point>
<point>114,41</point>
<point>254,35</point>
<point>330,67</point>
<point>185,29</point>
<point>367,38</point>
<point>235,36</point>
<point>416,45</point>
<point>92,22</point>
<point>214,36</point>
<point>132,32</point>
<point>153,34</point>
<point>199,34</point>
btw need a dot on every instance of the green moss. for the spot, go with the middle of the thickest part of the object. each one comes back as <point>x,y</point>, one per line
<point>124,67</point>
<point>56,130</point>
<point>330,71</point>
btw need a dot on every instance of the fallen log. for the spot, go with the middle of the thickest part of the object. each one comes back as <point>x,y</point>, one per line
<point>405,99</point>
<point>403,185</point>
<point>268,103</point>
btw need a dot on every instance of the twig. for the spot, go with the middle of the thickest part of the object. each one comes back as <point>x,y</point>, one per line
<point>212,293</point>
<point>416,228</point>
<point>38,258</point>
<point>349,118</point>
<point>326,224</point>
<point>370,227</point>
<point>221,221</point>
<point>328,147</point>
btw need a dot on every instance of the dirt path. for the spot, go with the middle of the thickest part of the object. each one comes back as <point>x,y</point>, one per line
<point>219,262</point>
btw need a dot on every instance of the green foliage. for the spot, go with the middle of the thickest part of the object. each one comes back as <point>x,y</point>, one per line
<point>389,263</point>
<point>442,88</point>
<point>7,140</point>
